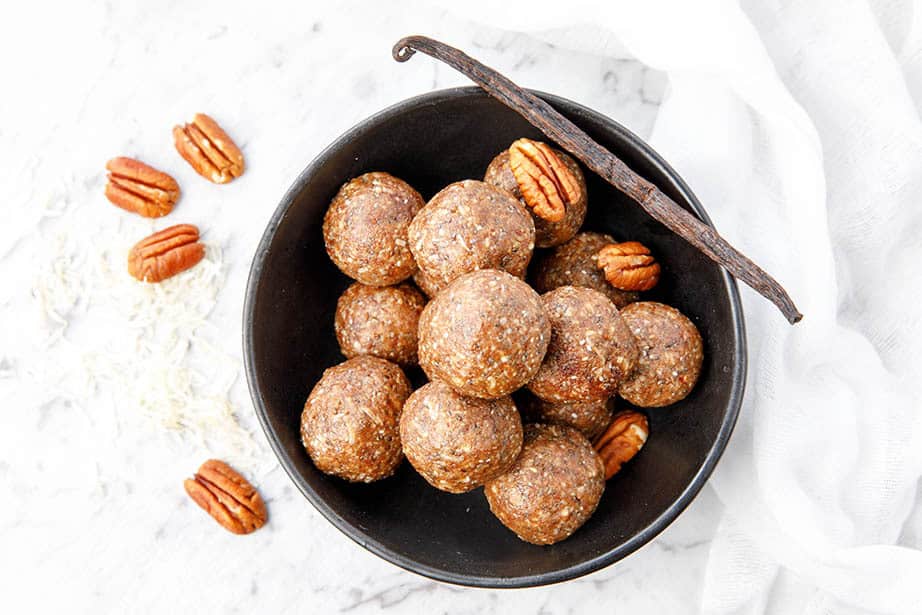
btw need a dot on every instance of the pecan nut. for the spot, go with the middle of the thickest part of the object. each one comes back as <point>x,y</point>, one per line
<point>547,185</point>
<point>164,254</point>
<point>205,146</point>
<point>623,439</point>
<point>628,266</point>
<point>140,188</point>
<point>227,497</point>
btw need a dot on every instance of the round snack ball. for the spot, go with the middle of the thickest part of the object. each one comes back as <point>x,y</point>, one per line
<point>381,321</point>
<point>350,424</point>
<point>457,443</point>
<point>365,228</point>
<point>470,225</point>
<point>484,335</point>
<point>671,354</point>
<point>552,488</point>
<point>574,264</point>
<point>589,417</point>
<point>547,233</point>
<point>591,349</point>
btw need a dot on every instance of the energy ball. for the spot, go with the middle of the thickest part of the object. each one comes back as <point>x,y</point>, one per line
<point>552,488</point>
<point>574,264</point>
<point>591,349</point>
<point>350,424</point>
<point>467,226</point>
<point>458,443</point>
<point>589,417</point>
<point>671,354</point>
<point>547,233</point>
<point>365,229</point>
<point>425,284</point>
<point>381,321</point>
<point>485,335</point>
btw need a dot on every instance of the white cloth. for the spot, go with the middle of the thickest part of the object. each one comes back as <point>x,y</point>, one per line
<point>797,125</point>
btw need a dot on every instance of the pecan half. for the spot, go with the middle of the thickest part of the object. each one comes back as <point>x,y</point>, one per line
<point>227,497</point>
<point>628,266</point>
<point>164,254</point>
<point>622,440</point>
<point>140,188</point>
<point>547,185</point>
<point>205,146</point>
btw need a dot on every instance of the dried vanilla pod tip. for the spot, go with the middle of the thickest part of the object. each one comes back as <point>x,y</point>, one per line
<point>381,321</point>
<point>485,335</point>
<point>553,487</point>
<point>208,149</point>
<point>589,417</point>
<point>628,266</point>
<point>569,197</point>
<point>670,359</point>
<point>467,226</point>
<point>350,423</point>
<point>622,440</point>
<point>591,349</point>
<point>228,497</point>
<point>575,263</point>
<point>140,188</point>
<point>456,442</point>
<point>365,229</point>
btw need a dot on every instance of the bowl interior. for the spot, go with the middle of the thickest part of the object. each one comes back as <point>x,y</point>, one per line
<point>431,141</point>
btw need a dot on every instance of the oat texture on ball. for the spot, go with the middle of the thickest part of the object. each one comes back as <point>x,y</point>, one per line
<point>591,349</point>
<point>547,233</point>
<point>456,442</point>
<point>553,487</point>
<point>671,355</point>
<point>574,263</point>
<point>381,321</point>
<point>485,335</point>
<point>365,229</point>
<point>470,225</point>
<point>350,423</point>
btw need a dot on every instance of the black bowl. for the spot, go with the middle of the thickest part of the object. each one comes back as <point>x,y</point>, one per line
<point>430,141</point>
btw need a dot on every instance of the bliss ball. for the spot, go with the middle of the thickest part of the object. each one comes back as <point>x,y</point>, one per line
<point>591,418</point>
<point>553,487</point>
<point>380,321</point>
<point>485,335</point>
<point>365,229</point>
<point>574,264</point>
<point>467,226</point>
<point>670,359</point>
<point>591,349</point>
<point>547,233</point>
<point>457,443</point>
<point>350,423</point>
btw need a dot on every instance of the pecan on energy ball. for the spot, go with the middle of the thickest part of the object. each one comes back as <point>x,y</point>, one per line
<point>671,355</point>
<point>574,263</point>
<point>365,229</point>
<point>456,442</point>
<point>485,335</point>
<point>548,232</point>
<point>381,321</point>
<point>591,349</point>
<point>470,225</point>
<point>553,487</point>
<point>350,423</point>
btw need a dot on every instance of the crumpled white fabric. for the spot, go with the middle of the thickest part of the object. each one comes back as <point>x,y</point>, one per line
<point>797,125</point>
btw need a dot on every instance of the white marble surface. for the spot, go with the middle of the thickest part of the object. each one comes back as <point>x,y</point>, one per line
<point>94,516</point>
